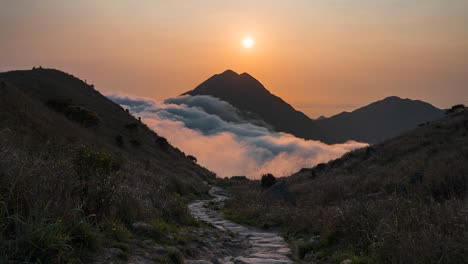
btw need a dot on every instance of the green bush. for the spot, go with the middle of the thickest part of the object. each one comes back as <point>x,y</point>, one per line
<point>81,115</point>
<point>303,248</point>
<point>115,230</point>
<point>160,229</point>
<point>99,180</point>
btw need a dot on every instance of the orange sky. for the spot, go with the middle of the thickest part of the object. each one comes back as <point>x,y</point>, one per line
<point>322,56</point>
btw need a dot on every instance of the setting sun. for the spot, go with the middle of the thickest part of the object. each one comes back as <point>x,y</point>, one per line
<point>248,42</point>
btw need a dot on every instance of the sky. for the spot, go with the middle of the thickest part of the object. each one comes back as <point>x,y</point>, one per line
<point>323,57</point>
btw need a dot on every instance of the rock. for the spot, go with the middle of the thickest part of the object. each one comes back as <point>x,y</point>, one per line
<point>314,240</point>
<point>284,251</point>
<point>309,257</point>
<point>198,262</point>
<point>159,251</point>
<point>268,256</point>
<point>346,261</point>
<point>141,227</point>
<point>139,260</point>
<point>112,253</point>
<point>243,260</point>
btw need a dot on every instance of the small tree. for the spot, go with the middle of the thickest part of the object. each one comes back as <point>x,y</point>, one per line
<point>456,109</point>
<point>268,180</point>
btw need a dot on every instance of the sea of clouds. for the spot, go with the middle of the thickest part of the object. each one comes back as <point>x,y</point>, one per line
<point>227,141</point>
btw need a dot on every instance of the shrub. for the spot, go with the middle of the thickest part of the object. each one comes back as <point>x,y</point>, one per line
<point>239,178</point>
<point>162,143</point>
<point>192,158</point>
<point>175,256</point>
<point>268,180</point>
<point>79,114</point>
<point>51,240</point>
<point>303,248</point>
<point>85,117</point>
<point>455,109</point>
<point>98,179</point>
<point>160,229</point>
<point>115,230</point>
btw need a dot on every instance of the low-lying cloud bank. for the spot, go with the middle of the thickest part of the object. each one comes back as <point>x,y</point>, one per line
<point>227,141</point>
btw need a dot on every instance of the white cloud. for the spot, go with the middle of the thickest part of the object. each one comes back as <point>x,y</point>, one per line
<point>226,141</point>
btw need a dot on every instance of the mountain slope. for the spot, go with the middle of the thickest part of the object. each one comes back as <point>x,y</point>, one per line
<point>401,201</point>
<point>371,124</point>
<point>379,121</point>
<point>248,94</point>
<point>77,170</point>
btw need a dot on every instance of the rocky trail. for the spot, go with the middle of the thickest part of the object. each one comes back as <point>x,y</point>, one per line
<point>229,242</point>
<point>216,241</point>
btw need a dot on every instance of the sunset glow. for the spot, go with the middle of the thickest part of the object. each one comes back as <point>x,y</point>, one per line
<point>324,57</point>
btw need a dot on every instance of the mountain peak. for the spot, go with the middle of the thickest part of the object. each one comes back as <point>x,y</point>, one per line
<point>248,94</point>
<point>392,98</point>
<point>228,73</point>
<point>229,83</point>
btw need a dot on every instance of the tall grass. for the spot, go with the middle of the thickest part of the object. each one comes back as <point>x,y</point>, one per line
<point>403,201</point>
<point>56,200</point>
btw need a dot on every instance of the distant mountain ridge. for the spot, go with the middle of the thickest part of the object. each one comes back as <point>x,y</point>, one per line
<point>380,120</point>
<point>372,123</point>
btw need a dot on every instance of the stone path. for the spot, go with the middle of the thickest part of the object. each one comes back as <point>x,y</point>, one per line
<point>242,245</point>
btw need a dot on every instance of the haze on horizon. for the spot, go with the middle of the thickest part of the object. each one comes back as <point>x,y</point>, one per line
<point>324,57</point>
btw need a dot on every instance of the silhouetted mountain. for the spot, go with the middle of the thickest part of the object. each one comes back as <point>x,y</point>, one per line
<point>373,123</point>
<point>379,121</point>
<point>59,95</point>
<point>248,94</point>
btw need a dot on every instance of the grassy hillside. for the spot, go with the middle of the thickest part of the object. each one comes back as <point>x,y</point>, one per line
<point>402,201</point>
<point>76,170</point>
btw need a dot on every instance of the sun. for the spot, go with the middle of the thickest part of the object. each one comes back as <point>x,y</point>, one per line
<point>248,42</point>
